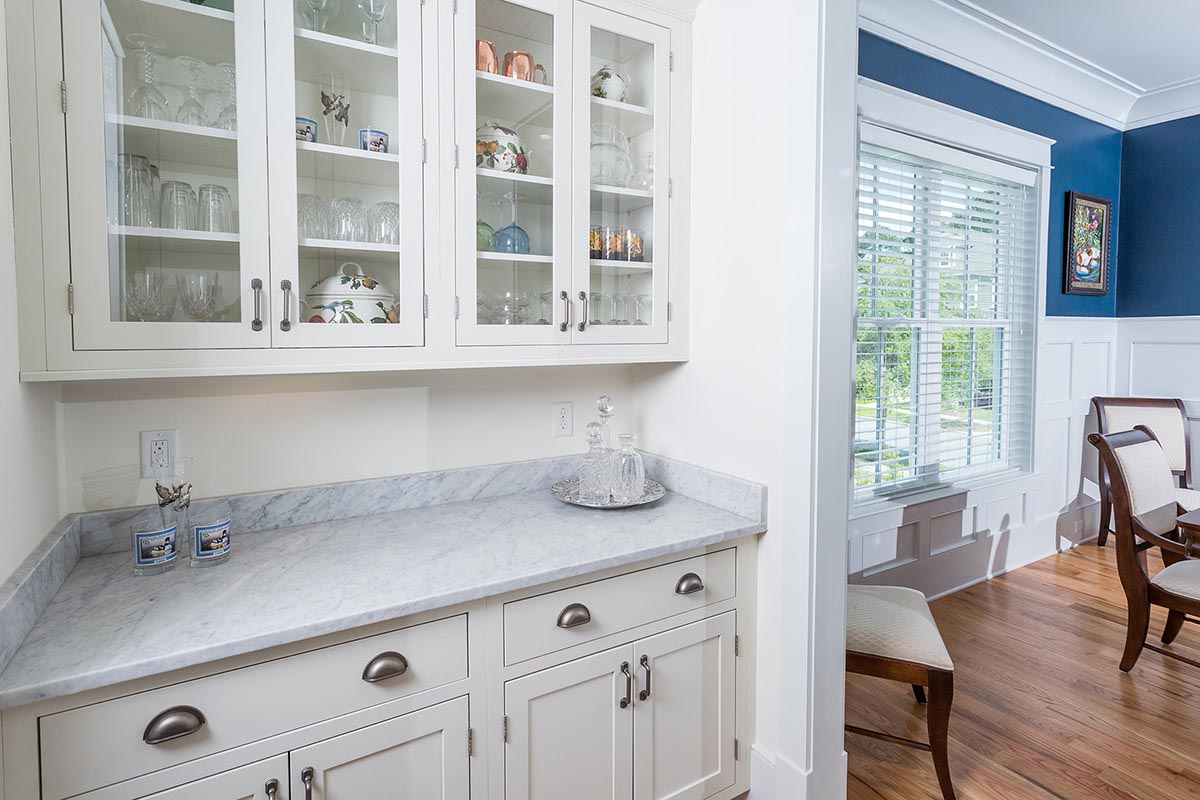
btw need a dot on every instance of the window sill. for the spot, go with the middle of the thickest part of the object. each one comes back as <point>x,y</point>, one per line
<point>871,507</point>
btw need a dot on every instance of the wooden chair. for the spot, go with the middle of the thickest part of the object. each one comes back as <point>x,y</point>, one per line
<point>891,634</point>
<point>1146,504</point>
<point>1168,419</point>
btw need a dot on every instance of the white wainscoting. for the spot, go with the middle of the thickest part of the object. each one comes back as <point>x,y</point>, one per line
<point>1160,357</point>
<point>944,544</point>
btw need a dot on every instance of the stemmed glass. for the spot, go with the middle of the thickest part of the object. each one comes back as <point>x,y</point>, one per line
<point>227,119</point>
<point>374,11</point>
<point>512,238</point>
<point>147,100</point>
<point>191,111</point>
<point>317,7</point>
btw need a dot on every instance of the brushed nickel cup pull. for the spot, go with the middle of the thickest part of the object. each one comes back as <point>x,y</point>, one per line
<point>689,584</point>
<point>272,788</point>
<point>174,723</point>
<point>306,775</point>
<point>256,285</point>
<point>285,324</point>
<point>584,297</point>
<point>627,700</point>
<point>574,615</point>
<point>644,694</point>
<point>566,323</point>
<point>385,665</point>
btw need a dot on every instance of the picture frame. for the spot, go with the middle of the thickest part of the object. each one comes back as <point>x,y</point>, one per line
<point>1087,252</point>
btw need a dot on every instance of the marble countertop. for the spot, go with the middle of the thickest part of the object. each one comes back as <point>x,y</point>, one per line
<point>106,626</point>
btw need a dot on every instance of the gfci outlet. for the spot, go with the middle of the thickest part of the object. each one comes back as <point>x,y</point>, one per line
<point>160,449</point>
<point>564,420</point>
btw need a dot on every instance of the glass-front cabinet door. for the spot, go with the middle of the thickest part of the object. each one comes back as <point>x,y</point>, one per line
<point>346,172</point>
<point>512,117</point>
<point>619,236</point>
<point>167,187</point>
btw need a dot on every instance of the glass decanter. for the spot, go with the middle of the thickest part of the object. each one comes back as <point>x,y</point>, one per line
<point>629,473</point>
<point>593,468</point>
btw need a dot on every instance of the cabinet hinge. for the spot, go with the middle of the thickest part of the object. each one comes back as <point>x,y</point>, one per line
<point>424,150</point>
<point>671,61</point>
<point>456,156</point>
<point>425,305</point>
<point>506,730</point>
<point>456,306</point>
<point>737,645</point>
<point>670,187</point>
<point>70,298</point>
<point>669,311</point>
<point>62,90</point>
<point>470,741</point>
<point>737,750</point>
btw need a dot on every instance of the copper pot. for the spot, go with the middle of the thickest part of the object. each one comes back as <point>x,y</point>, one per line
<point>485,57</point>
<point>520,65</point>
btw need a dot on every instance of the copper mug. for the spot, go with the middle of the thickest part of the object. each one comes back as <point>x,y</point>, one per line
<point>485,57</point>
<point>520,65</point>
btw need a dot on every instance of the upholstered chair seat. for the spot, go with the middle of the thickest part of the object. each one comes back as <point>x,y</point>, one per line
<point>1182,579</point>
<point>894,622</point>
<point>1188,499</point>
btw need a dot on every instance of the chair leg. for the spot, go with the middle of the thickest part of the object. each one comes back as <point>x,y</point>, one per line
<point>1135,633</point>
<point>1173,626</point>
<point>941,698</point>
<point>919,693</point>
<point>1105,519</point>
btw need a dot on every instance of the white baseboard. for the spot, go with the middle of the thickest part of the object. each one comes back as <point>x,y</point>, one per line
<point>774,778</point>
<point>762,774</point>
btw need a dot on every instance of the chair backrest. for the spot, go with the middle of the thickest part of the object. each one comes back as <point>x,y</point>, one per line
<point>1165,416</point>
<point>1143,495</point>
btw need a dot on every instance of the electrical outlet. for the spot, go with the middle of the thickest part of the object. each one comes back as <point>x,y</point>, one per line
<point>159,450</point>
<point>563,420</point>
<point>1078,527</point>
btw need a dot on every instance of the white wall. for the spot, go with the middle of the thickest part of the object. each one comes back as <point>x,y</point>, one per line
<point>29,476</point>
<point>1156,357</point>
<point>248,434</point>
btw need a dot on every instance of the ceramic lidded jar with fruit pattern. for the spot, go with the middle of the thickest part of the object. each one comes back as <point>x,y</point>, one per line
<point>349,296</point>
<point>500,148</point>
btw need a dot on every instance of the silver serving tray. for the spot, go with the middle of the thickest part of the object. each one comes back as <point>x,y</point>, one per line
<point>568,492</point>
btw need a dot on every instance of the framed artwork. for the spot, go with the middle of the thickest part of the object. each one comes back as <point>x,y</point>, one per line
<point>1089,235</point>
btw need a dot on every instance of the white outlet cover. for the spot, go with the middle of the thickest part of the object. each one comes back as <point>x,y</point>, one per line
<point>562,422</point>
<point>149,449</point>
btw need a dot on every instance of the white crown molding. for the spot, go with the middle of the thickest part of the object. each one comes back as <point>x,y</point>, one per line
<point>963,35</point>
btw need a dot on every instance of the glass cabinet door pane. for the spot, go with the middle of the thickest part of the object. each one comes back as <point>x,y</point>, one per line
<point>621,123</point>
<point>173,192</point>
<point>346,207</point>
<point>510,188</point>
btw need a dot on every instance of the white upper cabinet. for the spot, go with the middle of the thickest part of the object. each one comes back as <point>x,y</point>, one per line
<point>244,186</point>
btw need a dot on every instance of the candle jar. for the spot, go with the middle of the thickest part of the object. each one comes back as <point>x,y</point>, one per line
<point>595,242</point>
<point>635,245</point>
<point>209,529</point>
<point>614,243</point>
<point>155,539</point>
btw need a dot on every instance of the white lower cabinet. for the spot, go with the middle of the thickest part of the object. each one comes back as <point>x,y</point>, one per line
<point>420,755</point>
<point>263,780</point>
<point>651,721</point>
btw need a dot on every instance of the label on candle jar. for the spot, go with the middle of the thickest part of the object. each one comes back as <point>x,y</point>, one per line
<point>210,541</point>
<point>156,547</point>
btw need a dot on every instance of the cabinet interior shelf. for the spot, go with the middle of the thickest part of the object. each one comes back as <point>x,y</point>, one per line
<point>536,189</point>
<point>327,162</point>
<point>206,242</point>
<point>622,266</point>
<point>619,199</point>
<point>632,120</point>
<point>373,68</point>
<point>173,141</point>
<point>514,102</point>
<point>183,27</point>
<point>524,258</point>
<point>357,247</point>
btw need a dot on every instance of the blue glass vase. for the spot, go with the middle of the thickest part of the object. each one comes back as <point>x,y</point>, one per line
<point>512,239</point>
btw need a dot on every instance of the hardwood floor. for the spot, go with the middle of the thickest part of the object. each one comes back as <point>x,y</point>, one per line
<point>1040,708</point>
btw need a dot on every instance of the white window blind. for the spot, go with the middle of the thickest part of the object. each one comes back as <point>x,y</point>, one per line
<point>947,271</point>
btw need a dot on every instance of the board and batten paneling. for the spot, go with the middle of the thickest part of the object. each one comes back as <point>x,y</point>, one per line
<point>955,539</point>
<point>1158,357</point>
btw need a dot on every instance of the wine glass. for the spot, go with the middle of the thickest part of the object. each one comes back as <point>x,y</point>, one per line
<point>227,119</point>
<point>512,238</point>
<point>317,7</point>
<point>147,100</point>
<point>374,11</point>
<point>191,111</point>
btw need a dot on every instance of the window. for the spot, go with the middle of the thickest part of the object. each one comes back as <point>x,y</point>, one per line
<point>947,272</point>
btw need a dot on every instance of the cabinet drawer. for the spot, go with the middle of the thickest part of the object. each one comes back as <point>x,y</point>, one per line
<point>97,745</point>
<point>550,622</point>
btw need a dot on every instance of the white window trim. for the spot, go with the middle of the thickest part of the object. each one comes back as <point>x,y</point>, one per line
<point>889,108</point>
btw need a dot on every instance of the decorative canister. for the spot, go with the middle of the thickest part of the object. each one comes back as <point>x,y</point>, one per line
<point>306,129</point>
<point>372,140</point>
<point>209,528</point>
<point>609,84</point>
<point>349,296</point>
<point>500,148</point>
<point>155,535</point>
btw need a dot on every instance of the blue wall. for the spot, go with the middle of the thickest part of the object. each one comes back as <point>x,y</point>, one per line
<point>1160,178</point>
<point>1086,158</point>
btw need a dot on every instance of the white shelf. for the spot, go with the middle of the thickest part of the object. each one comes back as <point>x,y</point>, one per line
<point>524,258</point>
<point>356,247</point>
<point>537,190</point>
<point>371,68</point>
<point>327,162</point>
<point>622,266</point>
<point>176,240</point>
<point>619,199</point>
<point>184,28</point>
<point>513,102</point>
<point>632,120</point>
<point>173,141</point>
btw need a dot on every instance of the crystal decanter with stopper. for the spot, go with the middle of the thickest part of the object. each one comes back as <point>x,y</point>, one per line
<point>593,468</point>
<point>629,473</point>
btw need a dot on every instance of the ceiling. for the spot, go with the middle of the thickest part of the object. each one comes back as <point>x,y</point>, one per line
<point>1126,63</point>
